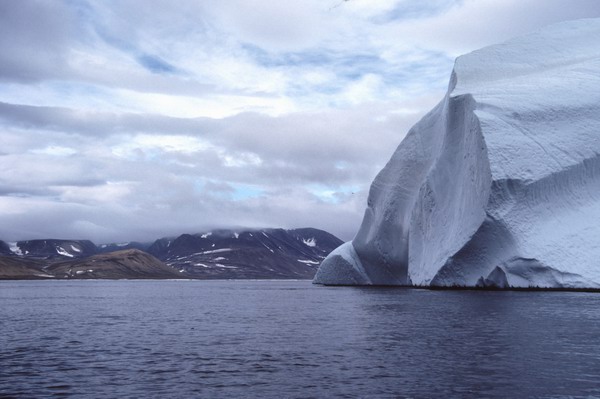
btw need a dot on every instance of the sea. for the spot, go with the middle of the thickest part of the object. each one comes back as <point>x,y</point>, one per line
<point>293,339</point>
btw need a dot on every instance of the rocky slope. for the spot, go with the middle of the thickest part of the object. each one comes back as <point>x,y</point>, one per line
<point>14,268</point>
<point>124,264</point>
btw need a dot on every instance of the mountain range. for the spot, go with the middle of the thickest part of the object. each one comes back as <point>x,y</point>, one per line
<point>217,254</point>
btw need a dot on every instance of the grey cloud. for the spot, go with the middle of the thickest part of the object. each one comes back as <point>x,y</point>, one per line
<point>313,135</point>
<point>475,24</point>
<point>44,219</point>
<point>175,192</point>
<point>31,171</point>
<point>145,81</point>
<point>68,120</point>
<point>218,187</point>
<point>40,39</point>
<point>302,147</point>
<point>26,190</point>
<point>34,37</point>
<point>406,10</point>
<point>89,190</point>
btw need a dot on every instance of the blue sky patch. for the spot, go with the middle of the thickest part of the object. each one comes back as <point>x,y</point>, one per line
<point>155,64</point>
<point>407,10</point>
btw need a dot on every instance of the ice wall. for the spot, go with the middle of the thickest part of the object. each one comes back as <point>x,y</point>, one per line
<point>499,185</point>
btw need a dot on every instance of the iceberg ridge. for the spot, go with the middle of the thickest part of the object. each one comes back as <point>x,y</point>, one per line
<point>498,185</point>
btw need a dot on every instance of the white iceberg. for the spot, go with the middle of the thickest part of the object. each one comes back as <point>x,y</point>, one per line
<point>498,185</point>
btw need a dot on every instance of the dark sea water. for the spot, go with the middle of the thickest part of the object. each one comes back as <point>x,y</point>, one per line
<point>208,339</point>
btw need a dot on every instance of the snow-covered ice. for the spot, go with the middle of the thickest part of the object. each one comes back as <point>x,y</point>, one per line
<point>498,185</point>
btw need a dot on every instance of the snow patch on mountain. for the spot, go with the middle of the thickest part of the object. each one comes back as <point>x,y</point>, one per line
<point>14,247</point>
<point>311,242</point>
<point>308,262</point>
<point>63,252</point>
<point>214,251</point>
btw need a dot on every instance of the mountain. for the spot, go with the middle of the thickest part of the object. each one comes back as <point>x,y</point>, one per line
<point>262,253</point>
<point>53,248</point>
<point>103,248</point>
<point>5,249</point>
<point>498,185</point>
<point>14,268</point>
<point>124,264</point>
<point>129,264</point>
<point>225,254</point>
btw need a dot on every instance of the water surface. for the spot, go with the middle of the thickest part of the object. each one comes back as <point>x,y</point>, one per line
<point>293,339</point>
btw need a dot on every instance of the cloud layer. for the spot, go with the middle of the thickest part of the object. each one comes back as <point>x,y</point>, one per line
<point>124,120</point>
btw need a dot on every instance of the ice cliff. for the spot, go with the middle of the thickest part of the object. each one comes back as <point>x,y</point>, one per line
<point>498,185</point>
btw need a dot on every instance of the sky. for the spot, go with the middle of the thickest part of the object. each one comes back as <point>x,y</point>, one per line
<point>134,119</point>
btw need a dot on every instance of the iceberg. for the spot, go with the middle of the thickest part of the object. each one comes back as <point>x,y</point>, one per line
<point>498,185</point>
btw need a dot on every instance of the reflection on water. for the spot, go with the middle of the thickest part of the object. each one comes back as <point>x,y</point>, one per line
<point>293,339</point>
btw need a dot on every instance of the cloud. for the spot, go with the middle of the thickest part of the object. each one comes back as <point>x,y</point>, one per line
<point>34,37</point>
<point>410,10</point>
<point>477,23</point>
<point>124,120</point>
<point>192,174</point>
